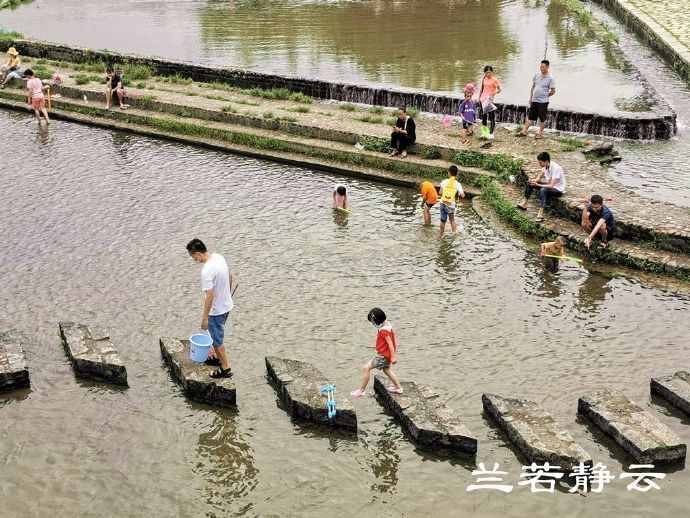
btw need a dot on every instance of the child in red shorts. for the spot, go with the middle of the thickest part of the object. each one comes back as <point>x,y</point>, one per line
<point>386,346</point>
<point>35,97</point>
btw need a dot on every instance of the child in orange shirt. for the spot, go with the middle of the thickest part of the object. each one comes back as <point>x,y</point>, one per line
<point>429,199</point>
<point>386,346</point>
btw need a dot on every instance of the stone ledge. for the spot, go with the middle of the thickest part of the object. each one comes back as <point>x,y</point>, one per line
<point>92,353</point>
<point>194,377</point>
<point>674,388</point>
<point>298,384</point>
<point>426,419</point>
<point>534,432</point>
<point>14,374</point>
<point>638,432</point>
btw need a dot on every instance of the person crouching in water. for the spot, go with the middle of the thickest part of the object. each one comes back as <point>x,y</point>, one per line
<point>35,97</point>
<point>450,190</point>
<point>340,198</point>
<point>429,199</point>
<point>553,248</point>
<point>386,347</point>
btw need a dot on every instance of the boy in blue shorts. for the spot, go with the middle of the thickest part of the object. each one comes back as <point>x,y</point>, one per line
<point>450,190</point>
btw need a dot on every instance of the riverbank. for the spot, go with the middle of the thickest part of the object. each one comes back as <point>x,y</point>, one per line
<point>352,139</point>
<point>663,26</point>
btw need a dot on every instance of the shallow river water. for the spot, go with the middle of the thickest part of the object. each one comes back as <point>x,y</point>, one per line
<point>94,225</point>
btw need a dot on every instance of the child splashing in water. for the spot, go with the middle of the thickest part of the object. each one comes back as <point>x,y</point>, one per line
<point>340,198</point>
<point>386,346</point>
<point>551,252</point>
<point>35,97</point>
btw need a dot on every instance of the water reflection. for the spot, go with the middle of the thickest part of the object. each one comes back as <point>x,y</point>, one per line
<point>593,292</point>
<point>225,461</point>
<point>386,462</point>
<point>436,44</point>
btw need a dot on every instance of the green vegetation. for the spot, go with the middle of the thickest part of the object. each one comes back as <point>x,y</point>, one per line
<point>299,109</point>
<point>503,165</point>
<point>229,109</point>
<point>84,79</point>
<point>370,119</point>
<point>135,72</point>
<point>177,79</point>
<point>245,102</point>
<point>375,144</point>
<point>269,115</point>
<point>347,107</point>
<point>376,109</point>
<point>12,4</point>
<point>391,121</point>
<point>571,144</point>
<point>141,85</point>
<point>279,94</point>
<point>43,72</point>
<point>506,209</point>
<point>412,111</point>
<point>431,153</point>
<point>10,35</point>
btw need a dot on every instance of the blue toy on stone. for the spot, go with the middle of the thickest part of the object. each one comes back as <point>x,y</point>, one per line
<point>329,390</point>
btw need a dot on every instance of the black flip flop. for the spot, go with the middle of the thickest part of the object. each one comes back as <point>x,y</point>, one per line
<point>212,362</point>
<point>221,373</point>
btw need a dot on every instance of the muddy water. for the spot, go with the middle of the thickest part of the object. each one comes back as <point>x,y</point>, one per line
<point>94,226</point>
<point>437,44</point>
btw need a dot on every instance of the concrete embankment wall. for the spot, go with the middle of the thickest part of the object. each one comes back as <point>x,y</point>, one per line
<point>660,124</point>
<point>655,35</point>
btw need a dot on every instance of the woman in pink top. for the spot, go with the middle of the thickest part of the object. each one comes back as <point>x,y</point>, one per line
<point>491,87</point>
<point>35,97</point>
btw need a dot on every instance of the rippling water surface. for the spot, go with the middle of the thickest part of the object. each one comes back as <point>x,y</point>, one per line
<point>94,225</point>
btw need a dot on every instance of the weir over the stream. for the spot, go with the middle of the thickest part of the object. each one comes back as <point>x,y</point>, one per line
<point>658,123</point>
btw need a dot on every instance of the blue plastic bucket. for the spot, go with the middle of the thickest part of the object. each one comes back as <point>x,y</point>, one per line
<point>199,344</point>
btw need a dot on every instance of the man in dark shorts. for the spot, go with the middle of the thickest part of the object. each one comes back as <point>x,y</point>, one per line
<point>543,87</point>
<point>598,220</point>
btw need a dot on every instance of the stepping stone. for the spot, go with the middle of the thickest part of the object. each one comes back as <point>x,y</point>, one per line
<point>674,388</point>
<point>195,377</point>
<point>14,373</point>
<point>430,423</point>
<point>92,354</point>
<point>299,386</point>
<point>637,431</point>
<point>534,432</point>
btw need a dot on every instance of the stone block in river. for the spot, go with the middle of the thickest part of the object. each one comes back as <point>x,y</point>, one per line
<point>636,430</point>
<point>299,387</point>
<point>195,377</point>
<point>92,353</point>
<point>534,432</point>
<point>14,373</point>
<point>674,388</point>
<point>427,420</point>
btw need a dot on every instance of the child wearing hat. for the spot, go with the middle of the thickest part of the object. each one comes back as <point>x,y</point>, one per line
<point>10,70</point>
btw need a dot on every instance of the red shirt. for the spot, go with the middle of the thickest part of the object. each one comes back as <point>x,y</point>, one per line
<point>382,344</point>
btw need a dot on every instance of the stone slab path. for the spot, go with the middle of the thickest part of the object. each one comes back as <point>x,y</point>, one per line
<point>92,353</point>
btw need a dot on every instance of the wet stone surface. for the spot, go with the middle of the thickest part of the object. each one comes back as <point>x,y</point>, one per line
<point>14,373</point>
<point>534,432</point>
<point>299,387</point>
<point>92,353</point>
<point>674,388</point>
<point>425,418</point>
<point>636,430</point>
<point>194,377</point>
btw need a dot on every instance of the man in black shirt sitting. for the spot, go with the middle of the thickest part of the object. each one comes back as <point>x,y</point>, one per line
<point>403,134</point>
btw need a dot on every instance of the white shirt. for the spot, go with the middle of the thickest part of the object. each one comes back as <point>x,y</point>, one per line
<point>556,172</point>
<point>215,276</point>
<point>458,185</point>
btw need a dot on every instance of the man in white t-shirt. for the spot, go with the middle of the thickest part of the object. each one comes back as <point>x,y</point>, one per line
<point>216,283</point>
<point>550,183</point>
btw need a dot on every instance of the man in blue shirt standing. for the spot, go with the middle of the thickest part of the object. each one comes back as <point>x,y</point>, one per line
<point>543,87</point>
<point>598,220</point>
